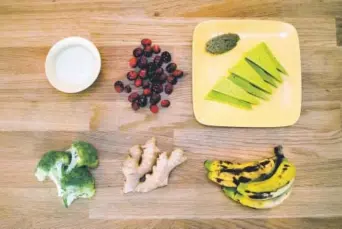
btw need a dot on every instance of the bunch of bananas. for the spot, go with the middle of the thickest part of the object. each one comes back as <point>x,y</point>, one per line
<point>259,184</point>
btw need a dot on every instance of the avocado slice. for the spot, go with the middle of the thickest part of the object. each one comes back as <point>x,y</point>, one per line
<point>227,87</point>
<point>248,87</point>
<point>226,99</point>
<point>267,77</point>
<point>275,60</point>
<point>260,56</point>
<point>245,71</point>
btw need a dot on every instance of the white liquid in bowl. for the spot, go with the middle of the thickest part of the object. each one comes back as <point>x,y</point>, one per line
<point>74,65</point>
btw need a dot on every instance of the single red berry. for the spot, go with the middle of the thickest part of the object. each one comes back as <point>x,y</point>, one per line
<point>158,61</point>
<point>138,52</point>
<point>128,89</point>
<point>172,80</point>
<point>133,96</point>
<point>146,84</point>
<point>133,62</point>
<point>142,73</point>
<point>154,108</point>
<point>163,78</point>
<point>132,75</point>
<point>146,42</point>
<point>165,103</point>
<point>142,63</point>
<point>156,49</point>
<point>147,92</point>
<point>168,88</point>
<point>155,98</point>
<point>178,73</point>
<point>138,82</point>
<point>148,51</point>
<point>135,105</point>
<point>118,86</point>
<point>159,71</point>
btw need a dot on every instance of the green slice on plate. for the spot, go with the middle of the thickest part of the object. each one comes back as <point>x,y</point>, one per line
<point>246,71</point>
<point>248,87</point>
<point>267,77</point>
<point>261,57</point>
<point>226,99</point>
<point>227,87</point>
<point>275,60</point>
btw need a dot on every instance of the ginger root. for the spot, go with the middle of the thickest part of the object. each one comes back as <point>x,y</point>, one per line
<point>160,169</point>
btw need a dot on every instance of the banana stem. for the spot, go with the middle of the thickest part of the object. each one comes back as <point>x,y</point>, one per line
<point>278,151</point>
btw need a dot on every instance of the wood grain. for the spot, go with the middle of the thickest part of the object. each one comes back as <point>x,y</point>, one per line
<point>35,118</point>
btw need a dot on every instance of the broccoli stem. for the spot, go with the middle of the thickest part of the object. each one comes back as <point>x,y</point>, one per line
<point>74,159</point>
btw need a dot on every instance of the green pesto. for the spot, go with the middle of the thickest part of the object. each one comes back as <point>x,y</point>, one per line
<point>222,43</point>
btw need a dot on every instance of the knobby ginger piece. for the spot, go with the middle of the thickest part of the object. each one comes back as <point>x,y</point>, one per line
<point>161,171</point>
<point>131,168</point>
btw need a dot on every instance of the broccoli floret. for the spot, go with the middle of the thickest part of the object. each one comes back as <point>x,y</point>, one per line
<point>52,165</point>
<point>82,154</point>
<point>79,183</point>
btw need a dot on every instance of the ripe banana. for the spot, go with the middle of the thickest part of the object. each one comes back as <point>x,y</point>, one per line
<point>253,203</point>
<point>232,177</point>
<point>219,165</point>
<point>272,187</point>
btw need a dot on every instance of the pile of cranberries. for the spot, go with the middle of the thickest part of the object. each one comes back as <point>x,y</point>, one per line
<point>152,74</point>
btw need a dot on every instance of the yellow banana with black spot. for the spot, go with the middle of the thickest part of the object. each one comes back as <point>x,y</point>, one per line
<point>232,177</point>
<point>276,185</point>
<point>255,203</point>
<point>219,165</point>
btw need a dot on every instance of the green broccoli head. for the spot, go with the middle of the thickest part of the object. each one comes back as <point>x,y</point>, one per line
<point>52,165</point>
<point>82,154</point>
<point>79,183</point>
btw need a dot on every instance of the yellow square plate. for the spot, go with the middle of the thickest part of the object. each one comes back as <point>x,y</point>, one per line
<point>283,108</point>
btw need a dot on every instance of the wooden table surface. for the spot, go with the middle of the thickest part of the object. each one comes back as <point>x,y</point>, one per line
<point>35,117</point>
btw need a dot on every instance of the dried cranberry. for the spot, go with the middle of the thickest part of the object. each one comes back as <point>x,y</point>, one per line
<point>146,84</point>
<point>146,42</point>
<point>142,63</point>
<point>148,51</point>
<point>154,108</point>
<point>157,88</point>
<point>158,61</point>
<point>133,96</point>
<point>138,52</point>
<point>156,49</point>
<point>155,98</point>
<point>133,62</point>
<point>159,71</point>
<point>132,75</point>
<point>138,82</point>
<point>166,57</point>
<point>135,105</point>
<point>142,101</point>
<point>163,78</point>
<point>128,89</point>
<point>172,80</point>
<point>142,73</point>
<point>168,88</point>
<point>147,92</point>
<point>118,86</point>
<point>165,103</point>
<point>178,74</point>
<point>171,67</point>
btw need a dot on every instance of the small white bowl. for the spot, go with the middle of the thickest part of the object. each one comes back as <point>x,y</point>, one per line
<point>72,64</point>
